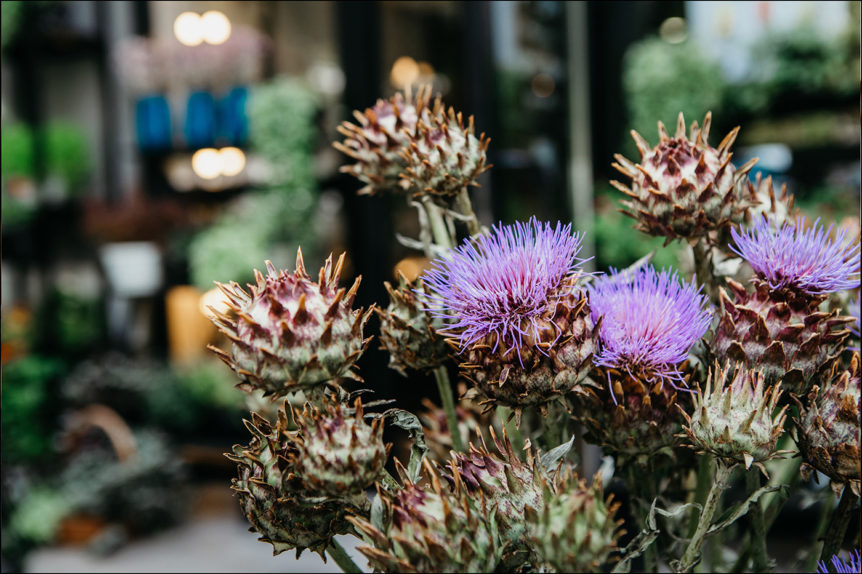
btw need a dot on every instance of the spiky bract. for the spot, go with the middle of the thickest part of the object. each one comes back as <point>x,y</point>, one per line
<point>574,530</point>
<point>444,156</point>
<point>829,428</point>
<point>431,530</point>
<point>408,332</point>
<point>683,187</point>
<point>338,454</point>
<point>381,139</point>
<point>782,333</point>
<point>736,417</point>
<point>291,333</point>
<point>778,208</point>
<point>276,501</point>
<point>509,484</point>
<point>471,423</point>
<point>803,260</point>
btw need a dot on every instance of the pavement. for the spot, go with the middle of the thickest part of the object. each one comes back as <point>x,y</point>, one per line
<point>214,538</point>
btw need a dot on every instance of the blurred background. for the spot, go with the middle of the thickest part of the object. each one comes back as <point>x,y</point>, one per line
<point>151,148</point>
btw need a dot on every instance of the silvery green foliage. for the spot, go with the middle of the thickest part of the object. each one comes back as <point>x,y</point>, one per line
<point>281,116</point>
<point>660,80</point>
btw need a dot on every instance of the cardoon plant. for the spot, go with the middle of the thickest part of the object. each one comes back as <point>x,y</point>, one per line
<point>536,338</point>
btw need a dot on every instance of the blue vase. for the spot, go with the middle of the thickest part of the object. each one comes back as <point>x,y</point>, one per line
<point>234,121</point>
<point>153,123</point>
<point>200,120</point>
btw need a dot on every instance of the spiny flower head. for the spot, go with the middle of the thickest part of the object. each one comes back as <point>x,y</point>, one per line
<point>806,260</point>
<point>650,321</point>
<point>502,283</point>
<point>853,563</point>
<point>683,188</point>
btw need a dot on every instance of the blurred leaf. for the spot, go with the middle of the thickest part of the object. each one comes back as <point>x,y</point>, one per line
<point>37,517</point>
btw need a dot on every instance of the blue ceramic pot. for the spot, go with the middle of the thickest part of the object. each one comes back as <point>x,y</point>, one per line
<point>153,122</point>
<point>200,120</point>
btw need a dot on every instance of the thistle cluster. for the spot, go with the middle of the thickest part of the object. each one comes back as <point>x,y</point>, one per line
<point>536,338</point>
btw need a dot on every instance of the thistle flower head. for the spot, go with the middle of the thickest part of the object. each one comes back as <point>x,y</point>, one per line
<point>853,563</point>
<point>806,260</point>
<point>501,284</point>
<point>854,309</point>
<point>650,321</point>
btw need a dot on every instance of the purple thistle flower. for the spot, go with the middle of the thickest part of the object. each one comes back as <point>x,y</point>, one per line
<point>649,322</point>
<point>503,282</point>
<point>851,565</point>
<point>854,308</point>
<point>802,259</point>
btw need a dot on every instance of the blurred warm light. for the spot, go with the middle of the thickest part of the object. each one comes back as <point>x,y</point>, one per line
<point>425,69</point>
<point>405,71</point>
<point>215,27</point>
<point>232,161</point>
<point>673,30</point>
<point>326,77</point>
<point>207,163</point>
<point>411,267</point>
<point>213,298</point>
<point>188,29</point>
<point>179,172</point>
<point>542,85</point>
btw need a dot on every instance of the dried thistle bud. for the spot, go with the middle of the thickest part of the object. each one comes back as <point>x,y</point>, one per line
<point>574,530</point>
<point>765,203</point>
<point>408,332</point>
<point>516,313</point>
<point>338,454</point>
<point>431,530</point>
<point>381,138</point>
<point>683,187</point>
<point>736,420</point>
<point>506,482</point>
<point>444,155</point>
<point>291,333</point>
<point>828,434</point>
<point>276,502</point>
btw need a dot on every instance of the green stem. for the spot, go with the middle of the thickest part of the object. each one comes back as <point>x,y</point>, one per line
<point>773,502</point>
<point>445,389</point>
<point>337,553</point>
<point>465,207</point>
<point>719,484</point>
<point>704,268</point>
<point>438,225</point>
<point>641,485</point>
<point>838,526</point>
<point>817,546</point>
<point>704,479</point>
<point>758,527</point>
